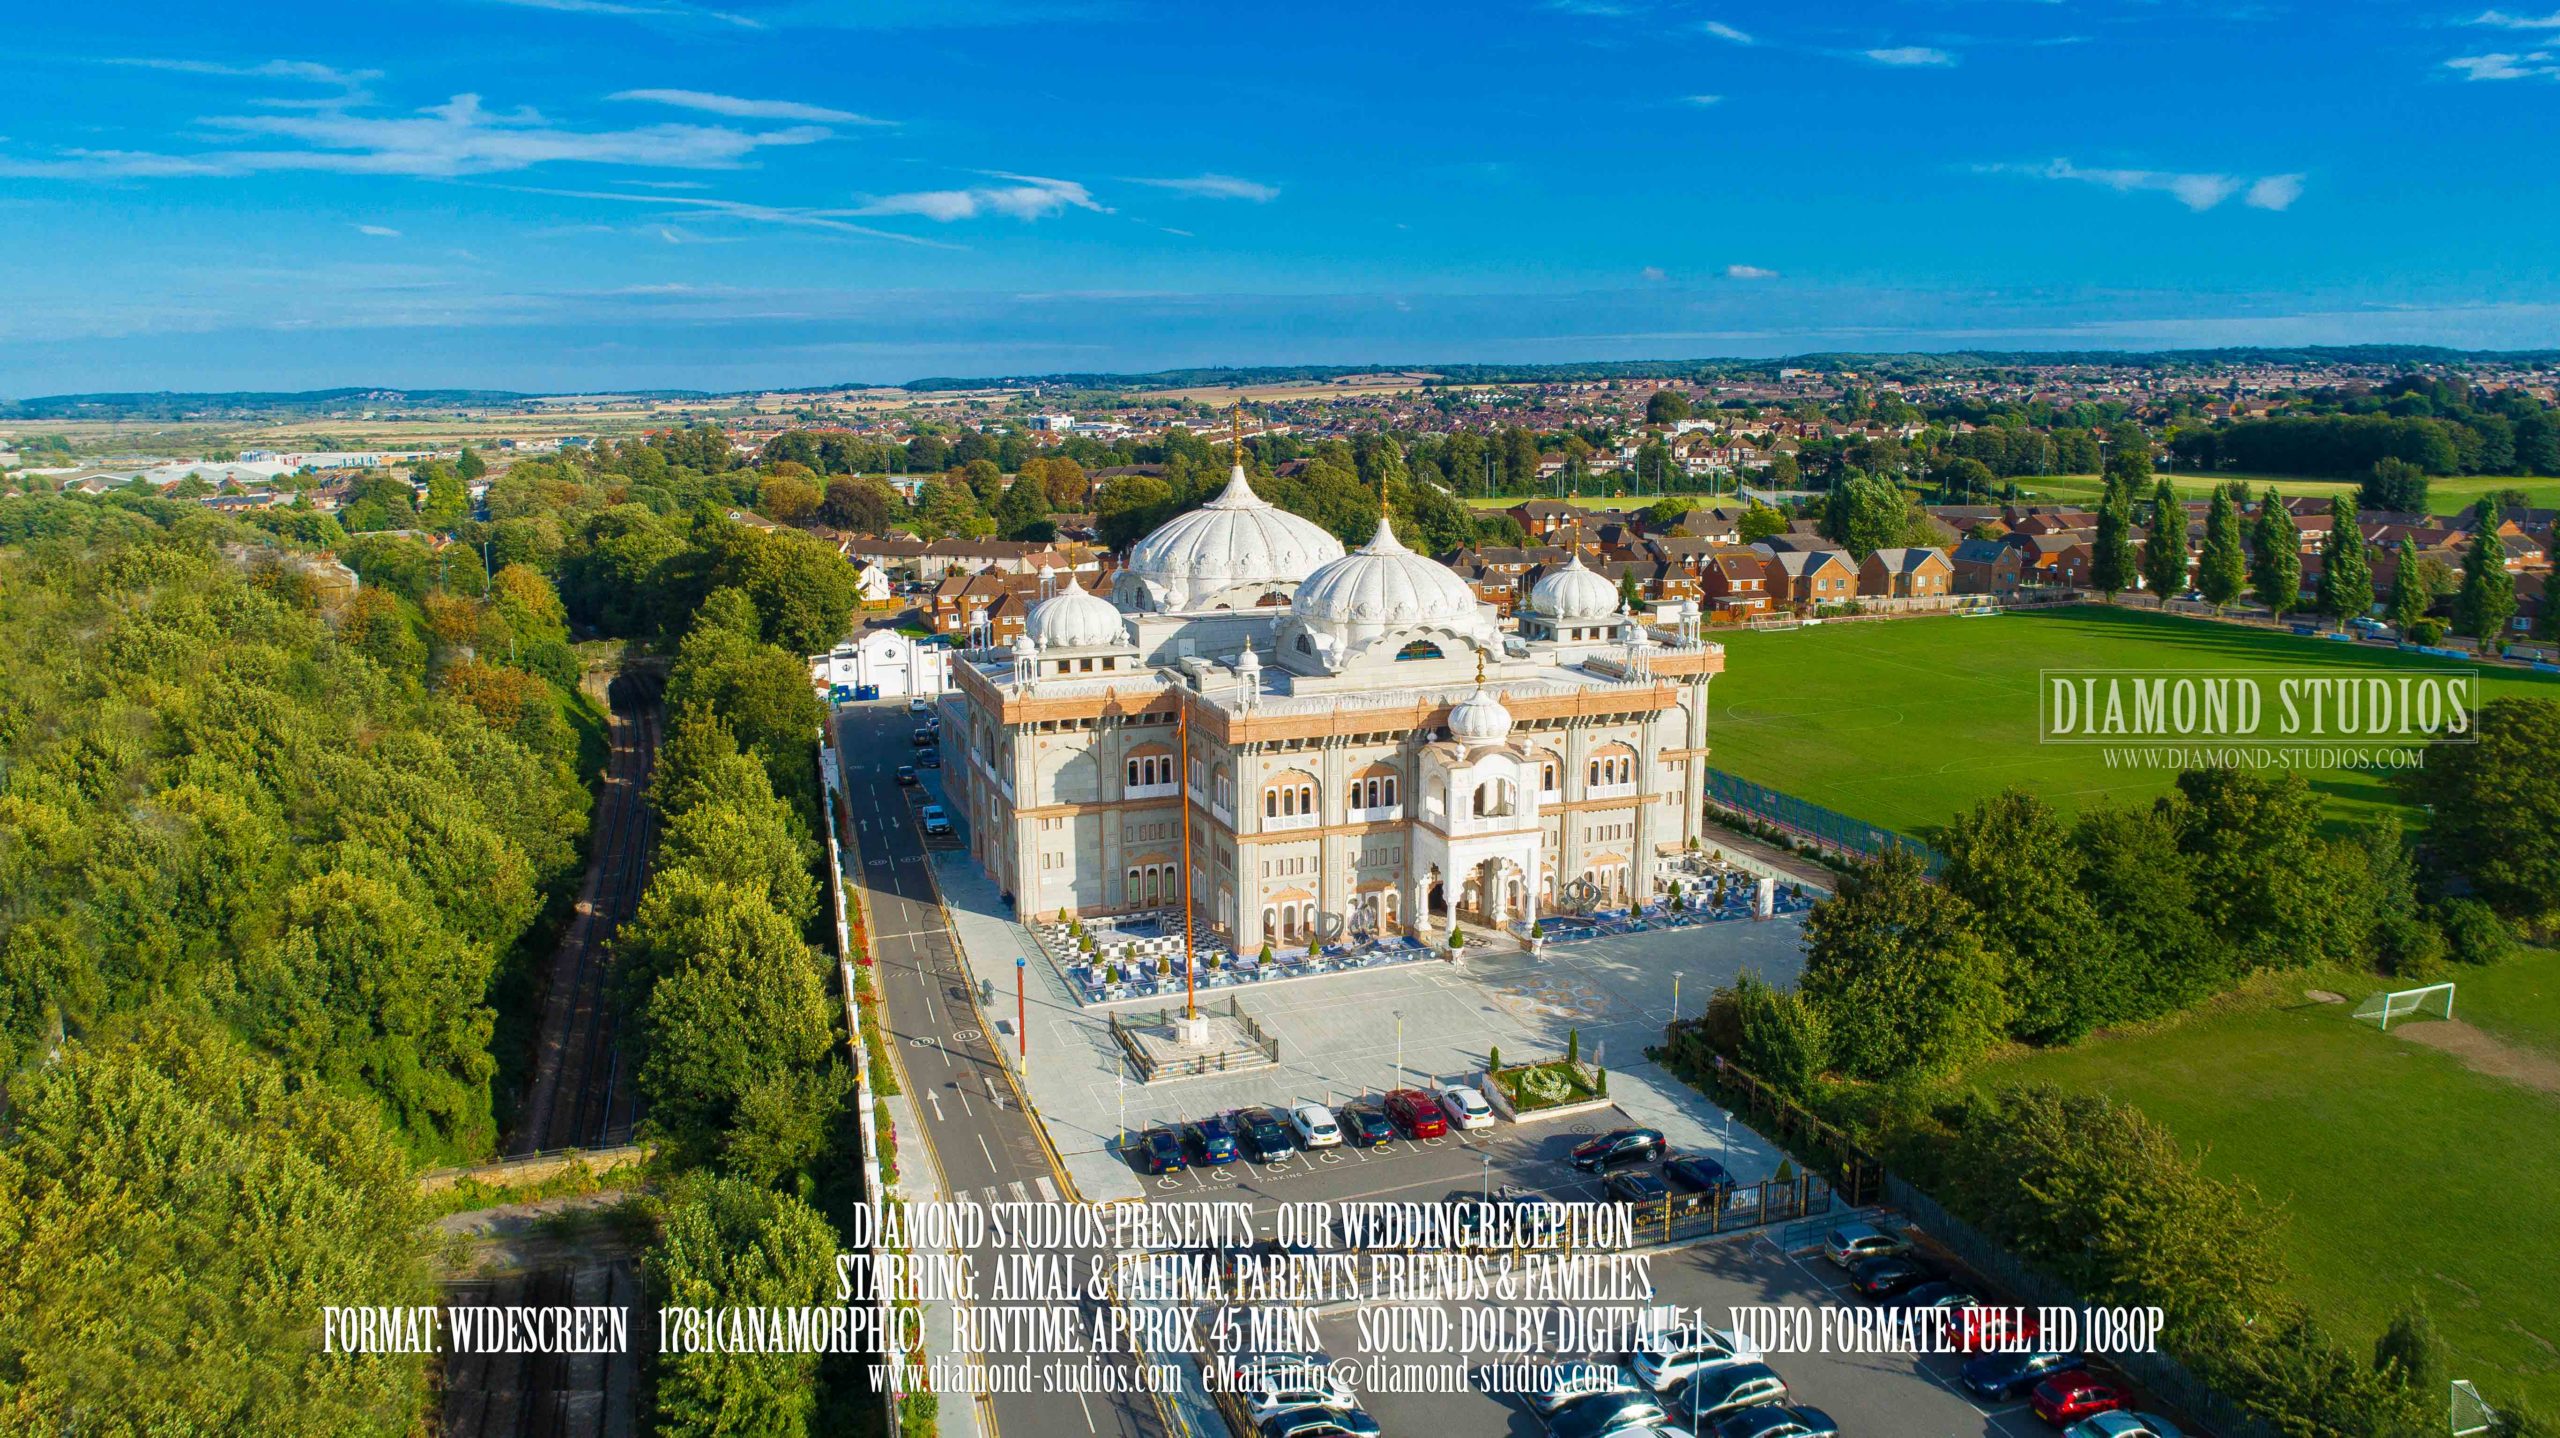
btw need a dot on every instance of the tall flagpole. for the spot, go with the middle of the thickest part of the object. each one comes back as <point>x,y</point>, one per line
<point>1190,960</point>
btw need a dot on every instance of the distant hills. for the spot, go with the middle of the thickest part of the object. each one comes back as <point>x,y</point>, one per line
<point>257,404</point>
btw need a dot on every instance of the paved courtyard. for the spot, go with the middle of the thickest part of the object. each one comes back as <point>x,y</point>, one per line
<point>1344,1035</point>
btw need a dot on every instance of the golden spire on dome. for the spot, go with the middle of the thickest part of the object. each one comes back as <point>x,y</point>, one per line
<point>1479,669</point>
<point>1235,430</point>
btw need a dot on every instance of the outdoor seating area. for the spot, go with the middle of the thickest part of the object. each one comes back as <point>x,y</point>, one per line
<point>1130,958</point>
<point>1702,891</point>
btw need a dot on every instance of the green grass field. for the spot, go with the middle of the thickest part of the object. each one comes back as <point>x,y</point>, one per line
<point>2400,1169</point>
<point>2444,496</point>
<point>1903,723</point>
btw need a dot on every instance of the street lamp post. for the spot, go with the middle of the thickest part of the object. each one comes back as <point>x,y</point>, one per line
<point>1675,1000</point>
<point>1021,1013</point>
<point>1399,1045</point>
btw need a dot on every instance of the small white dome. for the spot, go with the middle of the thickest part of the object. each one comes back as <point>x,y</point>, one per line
<point>1573,595</point>
<point>1480,718</point>
<point>1235,541</point>
<point>1384,583</point>
<point>1075,618</point>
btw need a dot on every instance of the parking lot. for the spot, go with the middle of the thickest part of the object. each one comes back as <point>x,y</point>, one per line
<point>1890,1396</point>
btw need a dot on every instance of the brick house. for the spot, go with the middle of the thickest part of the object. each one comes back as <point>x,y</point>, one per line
<point>1906,573</point>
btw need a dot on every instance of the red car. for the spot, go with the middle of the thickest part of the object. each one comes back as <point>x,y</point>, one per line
<point>2070,1397</point>
<point>1992,1329</point>
<point>1417,1113</point>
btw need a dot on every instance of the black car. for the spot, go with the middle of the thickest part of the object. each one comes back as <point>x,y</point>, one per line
<point>906,776</point>
<point>1319,1423</point>
<point>1941,1296</point>
<point>1777,1420</point>
<point>930,758</point>
<point>2006,1375</point>
<point>1265,1138</point>
<point>1635,1186</point>
<point>1726,1388</point>
<point>1884,1277</point>
<point>1599,1413</point>
<point>1365,1127</point>
<point>1620,1146</point>
<point>923,737</point>
<point>1162,1151</point>
<point>1693,1174</point>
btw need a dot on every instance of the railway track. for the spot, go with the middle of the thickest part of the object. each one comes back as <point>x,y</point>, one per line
<point>581,1095</point>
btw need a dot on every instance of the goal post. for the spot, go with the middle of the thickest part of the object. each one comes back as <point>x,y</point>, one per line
<point>2436,999</point>
<point>2470,1415</point>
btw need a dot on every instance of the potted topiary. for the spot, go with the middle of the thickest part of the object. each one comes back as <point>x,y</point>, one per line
<point>1265,955</point>
<point>1457,944</point>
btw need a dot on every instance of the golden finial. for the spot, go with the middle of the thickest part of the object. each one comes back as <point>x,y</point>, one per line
<point>1236,430</point>
<point>1479,669</point>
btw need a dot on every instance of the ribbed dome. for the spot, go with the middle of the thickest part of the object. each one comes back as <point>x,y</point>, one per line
<point>1573,595</point>
<point>1074,618</point>
<point>1382,582</point>
<point>1236,539</point>
<point>1480,718</point>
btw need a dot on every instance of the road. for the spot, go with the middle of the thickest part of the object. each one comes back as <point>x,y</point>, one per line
<point>981,1144</point>
<point>581,1093</point>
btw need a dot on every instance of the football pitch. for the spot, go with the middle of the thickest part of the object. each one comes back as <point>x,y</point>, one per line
<point>1905,722</point>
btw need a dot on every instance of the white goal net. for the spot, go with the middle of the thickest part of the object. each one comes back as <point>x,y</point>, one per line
<point>2436,999</point>
<point>2470,1415</point>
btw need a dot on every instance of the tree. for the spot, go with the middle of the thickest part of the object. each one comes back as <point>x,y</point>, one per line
<point>1630,593</point>
<point>1759,522</point>
<point>2164,549</point>
<point>2346,569</point>
<point>2222,564</point>
<point>1864,513</point>
<point>860,503</point>
<point>2396,485</point>
<point>1022,511</point>
<point>2493,806</point>
<point>2487,599</point>
<point>173,1213</point>
<point>949,510</point>
<point>2112,561</point>
<point>1667,407</point>
<point>2410,595</point>
<point>2275,569</point>
<point>2159,953</point>
<point>1896,971</point>
<point>2012,859</point>
<point>2128,461</point>
<point>2264,883</point>
<point>788,498</point>
<point>470,466</point>
<point>2410,1353</point>
<point>1965,479</point>
<point>721,1244</point>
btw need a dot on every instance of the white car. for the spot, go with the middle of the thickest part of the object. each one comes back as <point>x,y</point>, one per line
<point>1277,1390</point>
<point>1581,1380</point>
<point>1244,1370</point>
<point>1665,1360</point>
<point>919,706</point>
<point>1315,1126</point>
<point>2123,1425</point>
<point>1465,1107</point>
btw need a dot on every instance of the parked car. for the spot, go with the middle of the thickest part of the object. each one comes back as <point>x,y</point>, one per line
<point>1619,1146</point>
<point>922,738</point>
<point>935,819</point>
<point>1319,1423</point>
<point>1465,1107</point>
<point>2006,1375</point>
<point>2069,1397</point>
<point>1984,1327</point>
<point>1630,1185</point>
<point>1602,1413</point>
<point>1245,1368</point>
<point>1944,1299</point>
<point>1852,1243</point>
<point>1694,1173</point>
<point>1777,1420</point>
<point>1673,1356</point>
<point>1366,1127</point>
<point>1415,1113</point>
<point>906,776</point>
<point>1315,1125</point>
<point>930,758</point>
<point>1276,1390</point>
<point>1726,1388</point>
<point>1215,1138</point>
<point>1162,1152</point>
<point>1889,1275</point>
<point>2123,1425</point>
<point>1266,1138</point>
<point>1582,1380</point>
<point>919,705</point>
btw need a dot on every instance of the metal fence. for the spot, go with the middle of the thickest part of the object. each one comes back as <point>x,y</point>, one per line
<point>1805,819</point>
<point>1152,1066</point>
<point>2167,1380</point>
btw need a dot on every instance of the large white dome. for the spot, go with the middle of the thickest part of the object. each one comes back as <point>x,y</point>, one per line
<point>1074,618</point>
<point>1384,583</point>
<point>1479,718</point>
<point>1235,543</point>
<point>1573,595</point>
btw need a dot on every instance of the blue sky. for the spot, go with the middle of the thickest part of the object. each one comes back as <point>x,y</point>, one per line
<point>563,194</point>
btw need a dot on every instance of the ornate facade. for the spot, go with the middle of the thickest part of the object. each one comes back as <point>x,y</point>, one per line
<point>1365,747</point>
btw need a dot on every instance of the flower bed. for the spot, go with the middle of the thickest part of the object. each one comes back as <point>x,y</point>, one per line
<point>1545,1090</point>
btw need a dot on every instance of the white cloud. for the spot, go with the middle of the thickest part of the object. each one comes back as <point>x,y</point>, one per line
<point>1748,272</point>
<point>458,137</point>
<point>1030,197</point>
<point>2504,21</point>
<point>2198,191</point>
<point>1722,31</point>
<point>1702,101</point>
<point>702,207</point>
<point>379,232</point>
<point>2532,64</point>
<point>2275,192</point>
<point>1910,55</point>
<point>624,9</point>
<point>742,109</point>
<point>1217,187</point>
<point>1652,274</point>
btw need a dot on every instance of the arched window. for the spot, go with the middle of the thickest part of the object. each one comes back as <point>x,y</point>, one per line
<point>1307,799</point>
<point>1132,891</point>
<point>1271,804</point>
<point>1133,774</point>
<point>1419,649</point>
<point>1270,922</point>
<point>1595,771</point>
<point>1391,791</point>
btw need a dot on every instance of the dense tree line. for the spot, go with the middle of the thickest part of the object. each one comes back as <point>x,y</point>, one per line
<point>2434,426</point>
